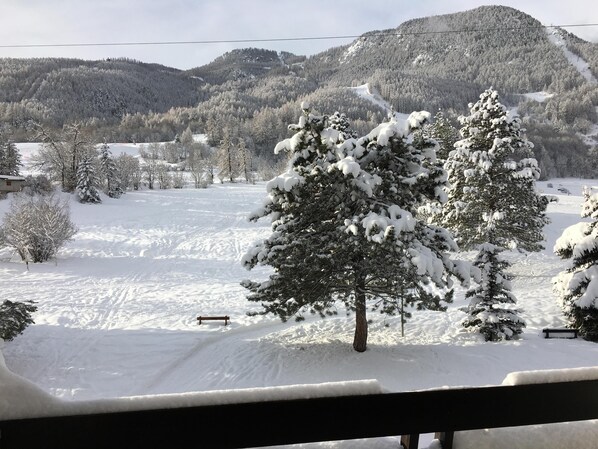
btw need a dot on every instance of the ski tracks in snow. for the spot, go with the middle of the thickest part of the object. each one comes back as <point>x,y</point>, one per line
<point>219,360</point>
<point>142,267</point>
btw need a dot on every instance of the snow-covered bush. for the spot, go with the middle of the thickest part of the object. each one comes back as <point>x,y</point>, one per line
<point>37,226</point>
<point>14,318</point>
<point>37,185</point>
<point>578,285</point>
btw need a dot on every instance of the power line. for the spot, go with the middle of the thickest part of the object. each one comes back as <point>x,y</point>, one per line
<point>288,39</point>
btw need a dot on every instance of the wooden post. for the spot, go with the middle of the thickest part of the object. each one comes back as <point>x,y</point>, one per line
<point>445,438</point>
<point>410,441</point>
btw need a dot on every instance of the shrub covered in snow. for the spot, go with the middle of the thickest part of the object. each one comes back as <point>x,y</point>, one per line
<point>37,226</point>
<point>14,318</point>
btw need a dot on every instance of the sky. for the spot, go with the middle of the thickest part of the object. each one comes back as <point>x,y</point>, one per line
<point>40,22</point>
<point>116,324</point>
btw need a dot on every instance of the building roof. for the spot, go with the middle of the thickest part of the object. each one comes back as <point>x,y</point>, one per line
<point>12,178</point>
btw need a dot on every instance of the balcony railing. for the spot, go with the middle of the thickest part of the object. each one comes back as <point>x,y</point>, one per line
<point>279,422</point>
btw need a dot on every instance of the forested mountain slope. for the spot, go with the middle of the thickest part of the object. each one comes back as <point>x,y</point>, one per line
<point>438,62</point>
<point>454,55</point>
<point>247,63</point>
<point>59,90</point>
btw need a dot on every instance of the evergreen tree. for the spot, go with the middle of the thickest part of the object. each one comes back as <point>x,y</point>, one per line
<point>10,158</point>
<point>344,227</point>
<point>487,313</point>
<point>341,123</point>
<point>445,134</point>
<point>492,175</point>
<point>87,182</point>
<point>112,182</point>
<point>578,285</point>
<point>2,157</point>
<point>492,200</point>
<point>14,318</point>
<point>187,142</point>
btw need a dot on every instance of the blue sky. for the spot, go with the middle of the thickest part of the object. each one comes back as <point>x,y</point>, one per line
<point>109,21</point>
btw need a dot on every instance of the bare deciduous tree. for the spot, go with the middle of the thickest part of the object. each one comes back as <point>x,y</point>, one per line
<point>60,153</point>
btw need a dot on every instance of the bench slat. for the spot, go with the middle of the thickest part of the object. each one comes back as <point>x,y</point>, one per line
<point>548,331</point>
<point>224,318</point>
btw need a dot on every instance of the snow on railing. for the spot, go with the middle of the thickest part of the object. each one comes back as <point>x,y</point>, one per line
<point>334,411</point>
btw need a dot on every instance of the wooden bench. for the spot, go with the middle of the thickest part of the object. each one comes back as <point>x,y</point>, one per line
<point>570,333</point>
<point>224,318</point>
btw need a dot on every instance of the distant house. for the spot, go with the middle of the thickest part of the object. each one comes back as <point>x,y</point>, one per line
<point>11,183</point>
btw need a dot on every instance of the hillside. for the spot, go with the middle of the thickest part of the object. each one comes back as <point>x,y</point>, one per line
<point>247,63</point>
<point>431,63</point>
<point>488,46</point>
<point>59,90</point>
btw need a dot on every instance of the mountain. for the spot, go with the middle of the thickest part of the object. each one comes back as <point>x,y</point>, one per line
<point>469,51</point>
<point>72,89</point>
<point>247,63</point>
<point>547,75</point>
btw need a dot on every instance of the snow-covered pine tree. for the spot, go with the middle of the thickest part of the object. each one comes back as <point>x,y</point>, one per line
<point>14,318</point>
<point>344,227</point>
<point>341,123</point>
<point>87,182</point>
<point>492,196</point>
<point>444,133</point>
<point>486,313</point>
<point>492,176</point>
<point>112,182</point>
<point>10,158</point>
<point>578,285</point>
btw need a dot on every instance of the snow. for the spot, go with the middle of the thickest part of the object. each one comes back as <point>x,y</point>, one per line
<point>353,49</point>
<point>539,436</point>
<point>540,97</point>
<point>369,93</point>
<point>116,323</point>
<point>578,63</point>
<point>551,375</point>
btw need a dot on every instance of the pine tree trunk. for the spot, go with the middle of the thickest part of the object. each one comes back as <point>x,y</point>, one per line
<point>361,324</point>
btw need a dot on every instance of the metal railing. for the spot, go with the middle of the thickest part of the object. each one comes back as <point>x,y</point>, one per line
<point>279,422</point>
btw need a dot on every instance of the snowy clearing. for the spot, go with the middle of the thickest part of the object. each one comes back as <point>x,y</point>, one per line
<point>117,310</point>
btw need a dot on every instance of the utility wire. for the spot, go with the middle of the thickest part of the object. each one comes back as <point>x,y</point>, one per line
<point>288,39</point>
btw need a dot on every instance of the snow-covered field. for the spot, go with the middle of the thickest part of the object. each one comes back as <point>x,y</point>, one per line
<point>117,310</point>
